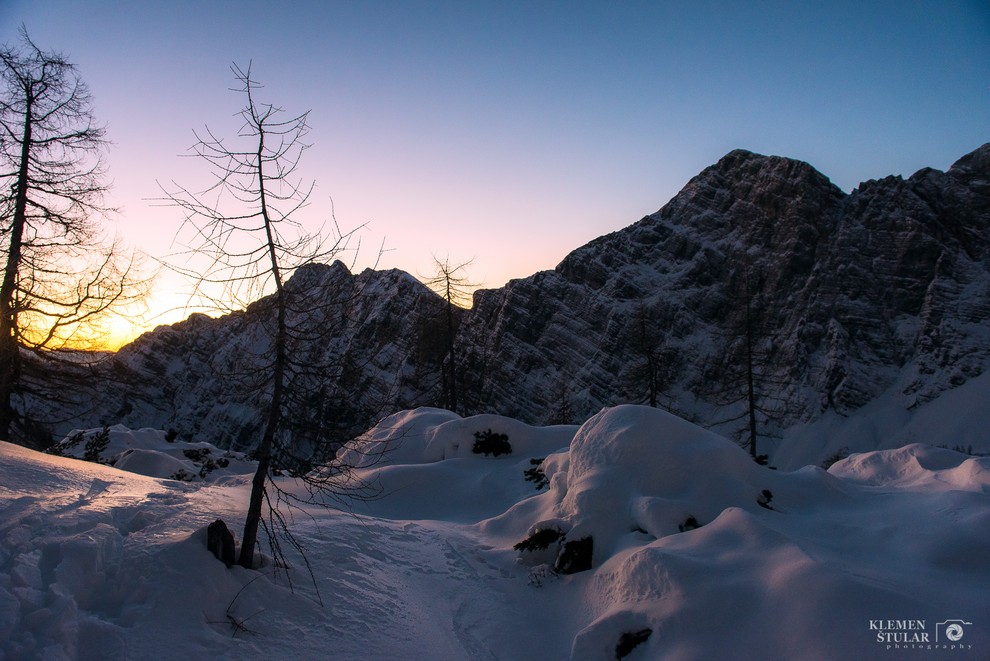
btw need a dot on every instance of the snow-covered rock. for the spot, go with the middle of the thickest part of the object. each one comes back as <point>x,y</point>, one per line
<point>152,452</point>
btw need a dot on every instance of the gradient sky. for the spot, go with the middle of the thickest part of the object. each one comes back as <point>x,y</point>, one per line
<point>514,132</point>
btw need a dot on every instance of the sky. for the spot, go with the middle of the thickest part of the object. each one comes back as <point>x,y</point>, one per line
<point>511,133</point>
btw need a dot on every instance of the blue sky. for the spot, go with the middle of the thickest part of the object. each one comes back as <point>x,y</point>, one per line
<point>513,132</point>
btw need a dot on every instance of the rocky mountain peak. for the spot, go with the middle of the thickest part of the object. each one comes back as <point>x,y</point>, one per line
<point>843,297</point>
<point>853,294</point>
<point>975,164</point>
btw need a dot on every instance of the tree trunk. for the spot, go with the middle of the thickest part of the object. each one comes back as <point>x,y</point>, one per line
<point>750,387</point>
<point>256,502</point>
<point>9,354</point>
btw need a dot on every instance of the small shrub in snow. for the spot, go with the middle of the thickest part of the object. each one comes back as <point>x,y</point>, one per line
<point>182,475</point>
<point>838,455</point>
<point>629,640</point>
<point>206,463</point>
<point>690,523</point>
<point>171,435</point>
<point>575,556</point>
<point>491,443</point>
<point>542,575</point>
<point>763,500</point>
<point>59,449</point>
<point>539,540</point>
<point>96,444</point>
<point>536,474</point>
<point>197,454</point>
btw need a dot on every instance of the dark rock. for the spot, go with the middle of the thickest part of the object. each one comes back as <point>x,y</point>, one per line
<point>629,640</point>
<point>575,556</point>
<point>220,542</point>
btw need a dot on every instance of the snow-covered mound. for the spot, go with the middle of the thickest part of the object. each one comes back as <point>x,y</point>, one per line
<point>661,541</point>
<point>685,533</point>
<point>152,452</point>
<point>427,435</point>
<point>425,463</point>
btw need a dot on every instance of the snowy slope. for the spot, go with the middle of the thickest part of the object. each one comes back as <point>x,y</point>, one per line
<point>96,562</point>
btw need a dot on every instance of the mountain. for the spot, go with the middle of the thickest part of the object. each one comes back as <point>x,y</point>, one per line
<point>195,378</point>
<point>847,296</point>
<point>759,270</point>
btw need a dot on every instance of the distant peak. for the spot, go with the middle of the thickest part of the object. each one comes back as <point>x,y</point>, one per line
<point>315,274</point>
<point>741,166</point>
<point>747,160</point>
<point>975,162</point>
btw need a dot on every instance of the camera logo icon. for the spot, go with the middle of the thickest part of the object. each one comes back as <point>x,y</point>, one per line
<point>951,630</point>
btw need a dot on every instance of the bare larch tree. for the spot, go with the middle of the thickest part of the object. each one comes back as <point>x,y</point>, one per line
<point>60,277</point>
<point>246,226</point>
<point>454,287</point>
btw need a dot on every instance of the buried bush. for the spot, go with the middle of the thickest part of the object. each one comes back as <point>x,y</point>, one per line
<point>575,556</point>
<point>763,500</point>
<point>539,540</point>
<point>690,523</point>
<point>96,444</point>
<point>197,455</point>
<point>59,449</point>
<point>491,443</point>
<point>536,474</point>
<point>836,456</point>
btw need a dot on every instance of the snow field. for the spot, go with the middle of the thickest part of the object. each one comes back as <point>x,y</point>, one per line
<point>96,562</point>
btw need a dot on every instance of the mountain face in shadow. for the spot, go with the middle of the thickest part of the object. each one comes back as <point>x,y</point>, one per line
<point>759,275</point>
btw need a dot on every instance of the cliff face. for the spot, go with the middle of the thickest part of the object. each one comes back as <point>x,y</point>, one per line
<point>847,296</point>
<point>360,335</point>
<point>759,266</point>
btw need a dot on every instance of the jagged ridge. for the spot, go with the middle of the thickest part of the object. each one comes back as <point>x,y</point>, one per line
<point>852,295</point>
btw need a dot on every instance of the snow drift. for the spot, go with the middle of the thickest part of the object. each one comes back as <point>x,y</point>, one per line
<point>696,553</point>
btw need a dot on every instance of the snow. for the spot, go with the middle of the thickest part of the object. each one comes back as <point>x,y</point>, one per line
<point>100,562</point>
<point>958,418</point>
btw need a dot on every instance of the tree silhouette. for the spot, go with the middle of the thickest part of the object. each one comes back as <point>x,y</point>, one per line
<point>453,286</point>
<point>245,226</point>
<point>743,378</point>
<point>61,277</point>
<point>653,360</point>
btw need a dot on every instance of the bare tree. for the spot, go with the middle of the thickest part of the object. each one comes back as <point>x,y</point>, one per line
<point>653,360</point>
<point>61,277</point>
<point>743,379</point>
<point>561,407</point>
<point>453,286</point>
<point>245,227</point>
